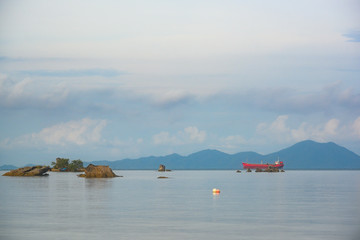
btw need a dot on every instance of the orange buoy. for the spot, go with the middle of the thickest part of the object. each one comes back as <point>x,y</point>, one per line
<point>216,191</point>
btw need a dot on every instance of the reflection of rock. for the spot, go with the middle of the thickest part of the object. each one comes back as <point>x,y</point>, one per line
<point>29,171</point>
<point>93,171</point>
<point>162,177</point>
<point>161,168</point>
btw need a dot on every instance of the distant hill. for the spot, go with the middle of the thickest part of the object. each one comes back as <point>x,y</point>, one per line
<point>7,167</point>
<point>313,155</point>
<point>303,155</point>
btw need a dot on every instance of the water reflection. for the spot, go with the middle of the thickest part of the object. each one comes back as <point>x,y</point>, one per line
<point>98,183</point>
<point>295,205</point>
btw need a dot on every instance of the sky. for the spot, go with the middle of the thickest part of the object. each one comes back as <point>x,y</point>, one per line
<point>108,80</point>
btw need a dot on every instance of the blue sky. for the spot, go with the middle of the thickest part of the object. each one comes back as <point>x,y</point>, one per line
<point>97,80</point>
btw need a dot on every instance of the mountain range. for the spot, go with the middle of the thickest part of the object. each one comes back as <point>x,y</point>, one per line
<point>307,155</point>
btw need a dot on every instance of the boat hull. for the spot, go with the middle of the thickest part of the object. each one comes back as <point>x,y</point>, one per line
<point>262,166</point>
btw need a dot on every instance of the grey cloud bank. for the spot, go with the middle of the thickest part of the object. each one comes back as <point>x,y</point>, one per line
<point>73,73</point>
<point>120,79</point>
<point>353,36</point>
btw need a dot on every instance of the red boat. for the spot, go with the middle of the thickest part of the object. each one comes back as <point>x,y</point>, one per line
<point>277,164</point>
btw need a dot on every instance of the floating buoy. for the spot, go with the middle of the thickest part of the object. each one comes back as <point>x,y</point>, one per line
<point>216,191</point>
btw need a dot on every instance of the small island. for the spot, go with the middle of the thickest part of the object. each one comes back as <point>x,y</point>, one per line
<point>29,171</point>
<point>92,171</point>
<point>63,165</point>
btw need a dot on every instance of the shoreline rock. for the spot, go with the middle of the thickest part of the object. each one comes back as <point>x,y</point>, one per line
<point>35,171</point>
<point>99,171</point>
<point>162,168</point>
<point>269,169</point>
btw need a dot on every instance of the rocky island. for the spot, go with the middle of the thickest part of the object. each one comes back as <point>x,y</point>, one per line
<point>92,171</point>
<point>29,171</point>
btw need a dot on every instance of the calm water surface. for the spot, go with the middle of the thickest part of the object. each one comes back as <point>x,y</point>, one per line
<point>291,205</point>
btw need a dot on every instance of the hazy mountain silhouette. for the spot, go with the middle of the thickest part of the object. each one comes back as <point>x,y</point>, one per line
<point>303,155</point>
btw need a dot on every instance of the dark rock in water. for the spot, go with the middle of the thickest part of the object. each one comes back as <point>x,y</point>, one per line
<point>272,169</point>
<point>162,177</point>
<point>29,171</point>
<point>282,170</point>
<point>248,170</point>
<point>161,168</point>
<point>93,171</point>
<point>268,169</point>
<point>238,171</point>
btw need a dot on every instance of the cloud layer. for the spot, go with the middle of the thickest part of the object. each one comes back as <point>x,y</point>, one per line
<point>25,92</point>
<point>187,136</point>
<point>73,73</point>
<point>176,76</point>
<point>81,132</point>
<point>281,132</point>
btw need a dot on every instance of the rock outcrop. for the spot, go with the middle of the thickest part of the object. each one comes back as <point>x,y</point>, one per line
<point>272,169</point>
<point>161,168</point>
<point>99,171</point>
<point>269,169</point>
<point>29,171</point>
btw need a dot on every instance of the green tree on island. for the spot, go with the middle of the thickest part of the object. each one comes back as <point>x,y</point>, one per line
<point>63,163</point>
<point>60,163</point>
<point>75,165</point>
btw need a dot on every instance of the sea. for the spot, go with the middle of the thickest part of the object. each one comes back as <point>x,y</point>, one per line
<point>290,205</point>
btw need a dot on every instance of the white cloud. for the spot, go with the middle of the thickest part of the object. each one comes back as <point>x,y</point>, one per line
<point>301,133</point>
<point>284,133</point>
<point>278,126</point>
<point>73,132</point>
<point>11,92</point>
<point>171,96</point>
<point>84,131</point>
<point>330,127</point>
<point>188,135</point>
<point>165,138</point>
<point>18,88</point>
<point>322,133</point>
<point>279,131</point>
<point>29,92</point>
<point>232,142</point>
<point>356,127</point>
<point>194,134</point>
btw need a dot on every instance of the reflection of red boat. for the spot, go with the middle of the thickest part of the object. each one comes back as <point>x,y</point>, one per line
<point>277,164</point>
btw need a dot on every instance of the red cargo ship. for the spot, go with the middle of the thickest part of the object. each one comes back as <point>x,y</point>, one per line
<point>277,164</point>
